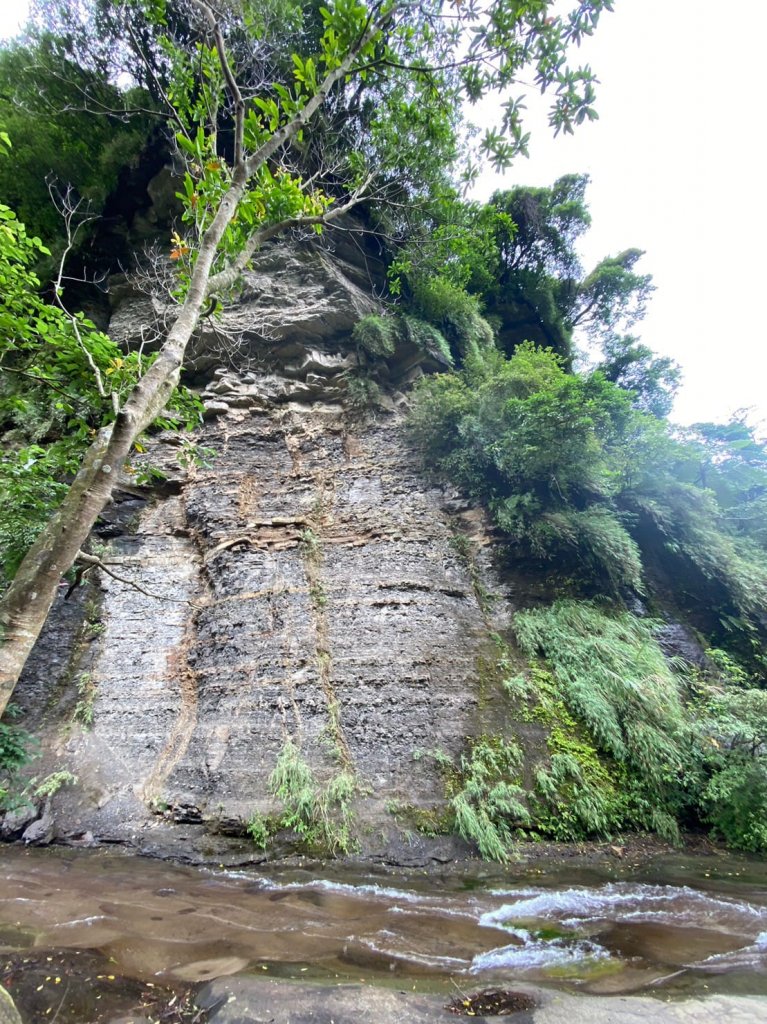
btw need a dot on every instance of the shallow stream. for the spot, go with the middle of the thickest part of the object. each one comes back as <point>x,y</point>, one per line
<point>678,925</point>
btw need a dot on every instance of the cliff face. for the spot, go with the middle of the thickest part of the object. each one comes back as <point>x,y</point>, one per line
<point>321,600</point>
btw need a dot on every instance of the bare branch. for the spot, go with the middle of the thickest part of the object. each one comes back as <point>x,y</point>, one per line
<point>94,562</point>
<point>231,82</point>
<point>171,110</point>
<point>69,210</point>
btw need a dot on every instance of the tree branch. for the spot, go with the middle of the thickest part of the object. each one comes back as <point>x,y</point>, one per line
<point>94,562</point>
<point>231,82</point>
<point>226,278</point>
<point>302,118</point>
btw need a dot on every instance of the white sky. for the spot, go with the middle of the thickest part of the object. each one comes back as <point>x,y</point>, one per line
<point>12,14</point>
<point>677,162</point>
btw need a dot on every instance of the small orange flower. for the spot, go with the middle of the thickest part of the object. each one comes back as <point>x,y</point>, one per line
<point>180,248</point>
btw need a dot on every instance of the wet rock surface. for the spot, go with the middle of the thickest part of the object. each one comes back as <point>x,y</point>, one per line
<point>257,1001</point>
<point>40,832</point>
<point>17,820</point>
<point>247,1001</point>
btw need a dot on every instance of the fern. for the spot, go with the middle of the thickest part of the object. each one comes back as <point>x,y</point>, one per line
<point>427,338</point>
<point>321,815</point>
<point>614,678</point>
<point>489,804</point>
<point>293,782</point>
<point>376,334</point>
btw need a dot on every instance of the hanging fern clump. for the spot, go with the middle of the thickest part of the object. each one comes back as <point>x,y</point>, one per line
<point>377,335</point>
<point>488,806</point>
<point>614,678</point>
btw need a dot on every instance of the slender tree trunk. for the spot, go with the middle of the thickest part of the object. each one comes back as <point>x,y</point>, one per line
<point>25,605</point>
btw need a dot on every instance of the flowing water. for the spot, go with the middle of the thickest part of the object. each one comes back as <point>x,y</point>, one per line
<point>683,926</point>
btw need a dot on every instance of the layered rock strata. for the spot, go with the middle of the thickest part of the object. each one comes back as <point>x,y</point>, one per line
<point>301,587</point>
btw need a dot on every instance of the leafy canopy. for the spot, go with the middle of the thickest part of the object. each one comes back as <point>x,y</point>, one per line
<point>70,128</point>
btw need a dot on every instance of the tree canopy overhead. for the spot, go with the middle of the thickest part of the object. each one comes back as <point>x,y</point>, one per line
<point>541,292</point>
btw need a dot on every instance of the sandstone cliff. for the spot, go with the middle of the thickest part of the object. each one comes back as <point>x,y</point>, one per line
<point>320,597</point>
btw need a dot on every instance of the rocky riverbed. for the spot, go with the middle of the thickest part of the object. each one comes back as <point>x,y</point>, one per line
<point>98,936</point>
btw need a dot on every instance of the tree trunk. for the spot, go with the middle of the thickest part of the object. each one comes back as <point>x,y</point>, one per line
<point>25,605</point>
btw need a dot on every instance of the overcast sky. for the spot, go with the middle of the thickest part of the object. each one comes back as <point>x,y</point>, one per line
<point>678,168</point>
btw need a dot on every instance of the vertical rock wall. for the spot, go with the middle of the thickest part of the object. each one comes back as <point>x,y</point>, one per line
<point>312,594</point>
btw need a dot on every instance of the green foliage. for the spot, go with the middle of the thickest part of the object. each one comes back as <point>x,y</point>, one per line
<point>577,793</point>
<point>723,578</point>
<point>320,815</point>
<point>455,313</point>
<point>14,748</point>
<point>542,228</point>
<point>311,545</point>
<point>292,782</point>
<point>44,107</point>
<point>730,460</point>
<point>394,123</point>
<point>641,764</point>
<point>488,806</point>
<point>538,290</point>
<point>259,831</point>
<point>652,380</point>
<point>296,43</point>
<point>362,392</point>
<point>731,721</point>
<point>611,295</point>
<point>377,335</point>
<point>191,455</point>
<point>544,450</point>
<point>52,394</point>
<point>15,751</point>
<point>615,679</point>
<point>456,241</point>
<point>52,783</point>
<point>634,742</point>
<point>585,484</point>
<point>736,798</point>
<point>730,670</point>
<point>86,694</point>
<point>60,380</point>
<point>596,537</point>
<point>427,338</point>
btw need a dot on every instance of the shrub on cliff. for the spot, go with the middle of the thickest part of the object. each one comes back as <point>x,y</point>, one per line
<point>542,449</point>
<point>590,488</point>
